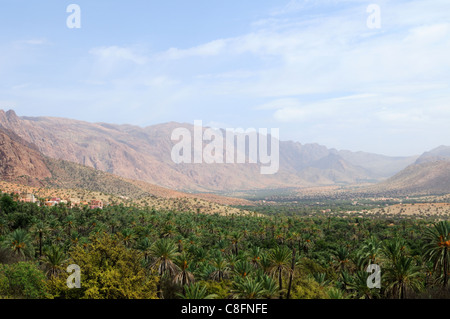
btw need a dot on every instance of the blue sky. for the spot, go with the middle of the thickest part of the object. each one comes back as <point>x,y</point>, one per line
<point>313,69</point>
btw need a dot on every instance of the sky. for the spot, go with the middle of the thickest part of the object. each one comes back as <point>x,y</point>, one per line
<point>317,70</point>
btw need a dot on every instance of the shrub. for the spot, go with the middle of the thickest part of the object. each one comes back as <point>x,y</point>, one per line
<point>307,288</point>
<point>109,270</point>
<point>22,280</point>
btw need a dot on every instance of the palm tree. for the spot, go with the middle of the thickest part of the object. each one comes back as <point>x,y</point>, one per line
<point>437,250</point>
<point>247,288</point>
<point>360,288</point>
<point>203,270</point>
<point>221,269</point>
<point>144,245</point>
<point>393,249</point>
<point>370,250</point>
<point>184,276</point>
<point>335,293</point>
<point>69,222</point>
<point>199,253</point>
<point>164,252</point>
<point>74,237</point>
<point>53,260</point>
<point>345,280</point>
<point>271,289</point>
<point>195,291</point>
<point>401,275</point>
<point>3,225</point>
<point>40,228</point>
<point>291,274</point>
<point>265,263</point>
<point>128,236</point>
<point>342,256</point>
<point>235,239</point>
<point>280,258</point>
<point>321,278</point>
<point>114,223</point>
<point>255,256</point>
<point>20,242</point>
<point>243,268</point>
<point>232,260</point>
<point>307,243</point>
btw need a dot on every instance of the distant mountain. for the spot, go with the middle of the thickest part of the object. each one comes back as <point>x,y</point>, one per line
<point>144,154</point>
<point>379,166</point>
<point>441,153</point>
<point>333,169</point>
<point>22,163</point>
<point>430,174</point>
<point>424,178</point>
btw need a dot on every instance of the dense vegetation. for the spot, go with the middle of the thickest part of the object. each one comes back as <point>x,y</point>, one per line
<point>128,252</point>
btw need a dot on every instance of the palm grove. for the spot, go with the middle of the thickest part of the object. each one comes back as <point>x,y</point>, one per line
<point>128,252</point>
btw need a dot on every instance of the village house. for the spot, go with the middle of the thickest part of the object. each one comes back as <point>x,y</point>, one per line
<point>28,198</point>
<point>96,204</point>
<point>53,201</point>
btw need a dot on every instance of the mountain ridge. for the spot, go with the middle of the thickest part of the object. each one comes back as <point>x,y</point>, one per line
<point>424,178</point>
<point>23,164</point>
<point>440,153</point>
<point>143,154</point>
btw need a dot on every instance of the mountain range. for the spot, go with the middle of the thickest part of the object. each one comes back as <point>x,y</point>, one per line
<point>21,163</point>
<point>429,174</point>
<point>144,154</point>
<point>127,159</point>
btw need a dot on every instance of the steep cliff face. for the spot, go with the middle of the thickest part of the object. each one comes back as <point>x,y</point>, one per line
<point>19,162</point>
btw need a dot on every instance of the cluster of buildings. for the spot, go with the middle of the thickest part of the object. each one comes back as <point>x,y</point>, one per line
<point>54,201</point>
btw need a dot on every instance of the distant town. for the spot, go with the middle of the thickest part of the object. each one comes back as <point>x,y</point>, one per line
<point>54,201</point>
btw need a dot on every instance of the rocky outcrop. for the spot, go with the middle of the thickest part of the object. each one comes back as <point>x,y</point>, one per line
<point>20,163</point>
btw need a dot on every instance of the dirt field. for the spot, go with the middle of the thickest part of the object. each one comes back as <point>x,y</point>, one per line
<point>420,209</point>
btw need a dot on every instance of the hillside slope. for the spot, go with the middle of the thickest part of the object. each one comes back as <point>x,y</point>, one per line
<point>424,178</point>
<point>70,175</point>
<point>441,153</point>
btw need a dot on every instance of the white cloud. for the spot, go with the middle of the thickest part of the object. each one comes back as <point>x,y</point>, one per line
<point>160,82</point>
<point>114,63</point>
<point>238,74</point>
<point>113,54</point>
<point>35,41</point>
<point>313,63</point>
<point>334,109</point>
<point>212,48</point>
<point>429,34</point>
<point>290,103</point>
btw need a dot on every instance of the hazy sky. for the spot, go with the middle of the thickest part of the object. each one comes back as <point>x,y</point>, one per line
<point>313,69</point>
